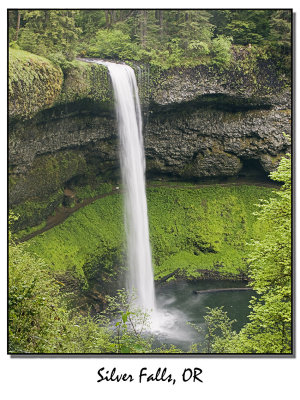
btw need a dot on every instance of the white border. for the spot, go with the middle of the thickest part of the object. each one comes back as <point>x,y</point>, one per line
<point>76,378</point>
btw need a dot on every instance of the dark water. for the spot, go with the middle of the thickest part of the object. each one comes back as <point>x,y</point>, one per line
<point>178,305</point>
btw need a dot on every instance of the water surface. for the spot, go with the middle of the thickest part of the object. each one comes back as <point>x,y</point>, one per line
<point>178,305</point>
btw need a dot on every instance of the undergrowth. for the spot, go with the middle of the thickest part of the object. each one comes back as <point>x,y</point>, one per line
<point>191,229</point>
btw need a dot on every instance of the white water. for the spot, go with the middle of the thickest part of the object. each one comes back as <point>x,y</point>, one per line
<point>132,159</point>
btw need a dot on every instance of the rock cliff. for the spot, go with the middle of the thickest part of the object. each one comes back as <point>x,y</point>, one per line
<point>198,123</point>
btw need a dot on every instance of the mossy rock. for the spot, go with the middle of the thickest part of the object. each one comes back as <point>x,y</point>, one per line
<point>34,83</point>
<point>48,174</point>
<point>32,213</point>
<point>84,80</point>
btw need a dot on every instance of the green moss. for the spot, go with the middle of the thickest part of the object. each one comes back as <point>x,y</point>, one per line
<point>90,240</point>
<point>48,174</point>
<point>34,83</point>
<point>34,212</point>
<point>83,80</point>
<point>28,230</point>
<point>203,229</point>
<point>90,191</point>
<point>191,229</point>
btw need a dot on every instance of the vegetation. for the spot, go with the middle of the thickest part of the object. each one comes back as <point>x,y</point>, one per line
<point>34,211</point>
<point>41,320</point>
<point>270,326</point>
<point>37,83</point>
<point>191,230</point>
<point>92,190</point>
<point>217,328</point>
<point>34,77</point>
<point>84,241</point>
<point>83,81</point>
<point>269,329</point>
<point>202,229</point>
<point>194,231</point>
<point>244,43</point>
<point>162,38</point>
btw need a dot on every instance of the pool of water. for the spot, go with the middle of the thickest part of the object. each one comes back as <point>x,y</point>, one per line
<point>178,305</point>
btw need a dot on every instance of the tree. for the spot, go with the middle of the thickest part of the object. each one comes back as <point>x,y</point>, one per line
<point>90,21</point>
<point>269,329</point>
<point>131,323</point>
<point>195,32</point>
<point>280,38</point>
<point>216,331</point>
<point>246,26</point>
<point>38,318</point>
<point>49,31</point>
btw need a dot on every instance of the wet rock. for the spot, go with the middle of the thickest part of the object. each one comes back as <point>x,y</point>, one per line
<point>197,124</point>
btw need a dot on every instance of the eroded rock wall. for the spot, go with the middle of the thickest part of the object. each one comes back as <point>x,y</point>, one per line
<point>214,143</point>
<point>196,125</point>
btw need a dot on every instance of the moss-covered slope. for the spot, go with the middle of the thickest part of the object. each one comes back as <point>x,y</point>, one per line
<point>193,229</point>
<point>86,81</point>
<point>34,83</point>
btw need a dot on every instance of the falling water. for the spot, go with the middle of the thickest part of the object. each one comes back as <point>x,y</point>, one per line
<point>132,159</point>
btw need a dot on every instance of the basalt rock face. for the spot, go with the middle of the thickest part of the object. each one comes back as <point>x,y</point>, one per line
<point>208,124</point>
<point>215,143</point>
<point>197,125</point>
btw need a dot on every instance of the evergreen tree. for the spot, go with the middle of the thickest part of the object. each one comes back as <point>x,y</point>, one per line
<point>49,31</point>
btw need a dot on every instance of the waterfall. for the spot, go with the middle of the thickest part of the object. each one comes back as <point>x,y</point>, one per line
<point>132,160</point>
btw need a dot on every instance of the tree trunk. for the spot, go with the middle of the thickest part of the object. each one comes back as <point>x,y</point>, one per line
<point>165,278</point>
<point>112,17</point>
<point>106,19</point>
<point>143,27</point>
<point>18,25</point>
<point>161,25</point>
<point>221,290</point>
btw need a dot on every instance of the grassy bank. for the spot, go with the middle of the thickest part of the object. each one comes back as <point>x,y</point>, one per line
<point>34,83</point>
<point>192,229</point>
<point>203,229</point>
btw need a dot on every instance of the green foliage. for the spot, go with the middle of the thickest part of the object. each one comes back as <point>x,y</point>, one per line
<point>34,211</point>
<point>49,172</point>
<point>217,330</point>
<point>192,229</point>
<point>49,31</point>
<point>163,38</point>
<point>245,26</point>
<point>90,240</point>
<point>83,81</point>
<point>41,321</point>
<point>202,229</point>
<point>34,83</point>
<point>91,191</point>
<point>269,329</point>
<point>38,318</point>
<point>28,230</point>
<point>130,324</point>
<point>280,44</point>
<point>37,83</point>
<point>220,51</point>
<point>113,44</point>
